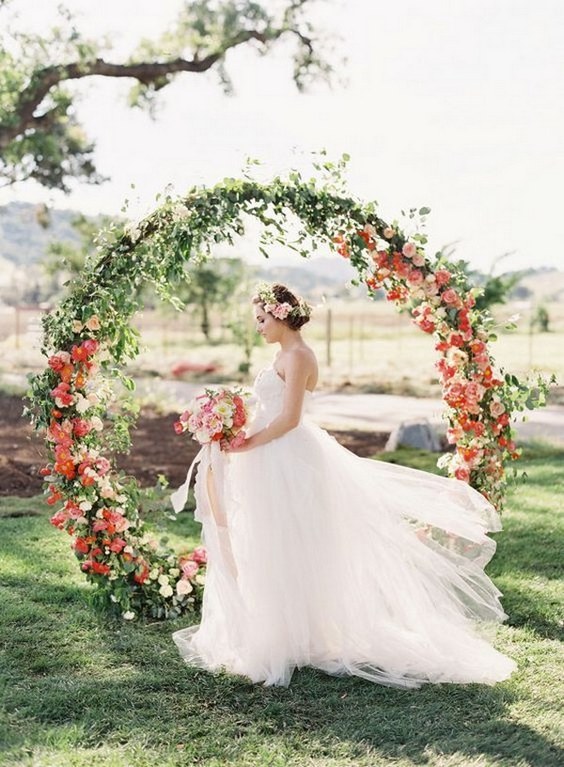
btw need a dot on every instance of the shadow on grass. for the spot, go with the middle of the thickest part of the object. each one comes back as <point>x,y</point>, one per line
<point>67,669</point>
<point>216,715</point>
<point>70,673</point>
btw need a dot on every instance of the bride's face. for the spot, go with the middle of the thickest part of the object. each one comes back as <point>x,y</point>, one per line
<point>268,326</point>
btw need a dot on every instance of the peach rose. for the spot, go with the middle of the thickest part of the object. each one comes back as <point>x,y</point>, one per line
<point>93,323</point>
<point>496,408</point>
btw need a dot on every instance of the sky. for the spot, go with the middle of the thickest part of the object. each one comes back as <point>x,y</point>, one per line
<point>456,106</point>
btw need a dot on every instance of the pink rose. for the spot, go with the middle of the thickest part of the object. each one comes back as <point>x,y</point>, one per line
<point>189,568</point>
<point>454,434</point>
<point>462,473</point>
<point>281,311</point>
<point>450,296</point>
<point>90,346</point>
<point>496,408</point>
<point>81,427</point>
<point>58,361</point>
<point>442,276</point>
<point>199,555</point>
<point>415,277</point>
<point>455,339</point>
<point>418,259</point>
<point>61,395</point>
<point>103,466</point>
<point>117,545</point>
<point>409,249</point>
<point>475,391</point>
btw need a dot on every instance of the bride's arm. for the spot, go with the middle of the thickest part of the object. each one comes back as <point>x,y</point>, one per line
<point>296,374</point>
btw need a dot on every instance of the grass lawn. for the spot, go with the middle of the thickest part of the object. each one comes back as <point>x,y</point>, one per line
<point>80,689</point>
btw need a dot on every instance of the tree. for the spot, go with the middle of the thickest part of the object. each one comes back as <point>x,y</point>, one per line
<point>541,319</point>
<point>212,285</point>
<point>40,136</point>
<point>493,289</point>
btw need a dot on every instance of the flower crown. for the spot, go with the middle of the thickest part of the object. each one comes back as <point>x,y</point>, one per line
<point>281,311</point>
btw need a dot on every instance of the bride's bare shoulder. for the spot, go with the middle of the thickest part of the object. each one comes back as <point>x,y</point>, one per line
<point>303,357</point>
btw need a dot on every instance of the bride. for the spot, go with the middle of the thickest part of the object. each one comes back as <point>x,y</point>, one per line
<point>317,557</point>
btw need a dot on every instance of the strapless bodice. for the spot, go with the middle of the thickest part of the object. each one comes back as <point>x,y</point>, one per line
<point>268,389</point>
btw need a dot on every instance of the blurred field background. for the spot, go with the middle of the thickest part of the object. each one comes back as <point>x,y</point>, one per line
<point>361,344</point>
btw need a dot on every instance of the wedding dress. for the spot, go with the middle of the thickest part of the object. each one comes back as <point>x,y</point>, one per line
<point>346,564</point>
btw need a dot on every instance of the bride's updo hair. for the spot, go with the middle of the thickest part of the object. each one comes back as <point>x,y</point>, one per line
<point>278,300</point>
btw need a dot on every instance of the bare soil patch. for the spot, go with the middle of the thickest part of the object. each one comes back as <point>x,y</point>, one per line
<point>156,449</point>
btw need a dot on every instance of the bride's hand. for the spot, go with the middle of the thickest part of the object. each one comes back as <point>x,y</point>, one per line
<point>239,446</point>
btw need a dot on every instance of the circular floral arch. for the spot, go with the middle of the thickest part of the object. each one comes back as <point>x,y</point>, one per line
<point>88,338</point>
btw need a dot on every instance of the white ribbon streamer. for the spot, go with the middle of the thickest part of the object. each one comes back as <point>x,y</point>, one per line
<point>180,496</point>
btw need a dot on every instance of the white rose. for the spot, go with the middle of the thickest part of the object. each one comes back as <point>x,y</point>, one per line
<point>183,587</point>
<point>129,615</point>
<point>82,404</point>
<point>174,572</point>
<point>180,211</point>
<point>128,549</point>
<point>200,579</point>
<point>154,574</point>
<point>96,423</point>
<point>444,461</point>
<point>166,590</point>
<point>163,579</point>
<point>223,409</point>
<point>85,505</point>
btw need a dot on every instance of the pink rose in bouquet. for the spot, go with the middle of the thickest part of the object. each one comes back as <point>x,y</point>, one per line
<point>215,415</point>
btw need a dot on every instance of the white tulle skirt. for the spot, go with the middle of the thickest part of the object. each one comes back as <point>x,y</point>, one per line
<point>346,564</point>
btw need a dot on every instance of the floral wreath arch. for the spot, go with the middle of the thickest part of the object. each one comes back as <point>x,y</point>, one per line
<point>88,337</point>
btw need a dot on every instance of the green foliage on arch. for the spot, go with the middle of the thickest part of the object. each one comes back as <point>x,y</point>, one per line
<point>88,338</point>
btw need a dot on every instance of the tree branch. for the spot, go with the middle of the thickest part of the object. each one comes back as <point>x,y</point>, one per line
<point>44,79</point>
<point>147,73</point>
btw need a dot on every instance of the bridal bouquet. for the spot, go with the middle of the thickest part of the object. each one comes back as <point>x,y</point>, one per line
<point>215,415</point>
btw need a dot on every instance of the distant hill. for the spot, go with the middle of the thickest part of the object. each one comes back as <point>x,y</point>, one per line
<point>541,285</point>
<point>313,278</point>
<point>23,240</point>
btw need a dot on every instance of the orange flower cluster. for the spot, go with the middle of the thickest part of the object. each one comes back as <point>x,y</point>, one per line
<point>478,408</point>
<point>108,544</point>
